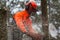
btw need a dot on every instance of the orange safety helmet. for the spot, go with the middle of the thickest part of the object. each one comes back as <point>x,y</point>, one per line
<point>33,4</point>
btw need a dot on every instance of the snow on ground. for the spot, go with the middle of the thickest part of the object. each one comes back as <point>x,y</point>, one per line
<point>53,31</point>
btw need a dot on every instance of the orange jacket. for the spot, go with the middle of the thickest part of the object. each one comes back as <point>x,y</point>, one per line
<point>23,21</point>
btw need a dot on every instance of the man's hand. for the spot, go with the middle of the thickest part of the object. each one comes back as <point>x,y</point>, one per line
<point>34,35</point>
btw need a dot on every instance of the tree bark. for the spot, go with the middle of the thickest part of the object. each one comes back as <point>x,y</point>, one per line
<point>45,19</point>
<point>3,31</point>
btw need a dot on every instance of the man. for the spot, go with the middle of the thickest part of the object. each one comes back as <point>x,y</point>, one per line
<point>23,21</point>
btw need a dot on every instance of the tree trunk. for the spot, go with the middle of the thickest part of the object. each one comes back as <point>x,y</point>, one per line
<point>44,19</point>
<point>3,31</point>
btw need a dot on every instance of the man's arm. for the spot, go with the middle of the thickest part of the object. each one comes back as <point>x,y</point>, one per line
<point>29,23</point>
<point>20,25</point>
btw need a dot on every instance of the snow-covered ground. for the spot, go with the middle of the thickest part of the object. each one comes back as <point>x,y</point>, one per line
<point>53,31</point>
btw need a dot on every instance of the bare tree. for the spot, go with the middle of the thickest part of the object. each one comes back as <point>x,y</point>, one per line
<point>44,19</point>
<point>3,31</point>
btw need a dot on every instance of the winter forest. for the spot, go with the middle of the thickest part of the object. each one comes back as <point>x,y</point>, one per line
<point>46,21</point>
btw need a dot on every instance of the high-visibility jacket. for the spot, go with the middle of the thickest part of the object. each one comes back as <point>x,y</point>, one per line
<point>23,21</point>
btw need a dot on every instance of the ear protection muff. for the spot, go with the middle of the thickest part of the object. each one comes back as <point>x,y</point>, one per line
<point>27,6</point>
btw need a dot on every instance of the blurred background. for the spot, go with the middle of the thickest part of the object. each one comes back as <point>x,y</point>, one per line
<point>9,30</point>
